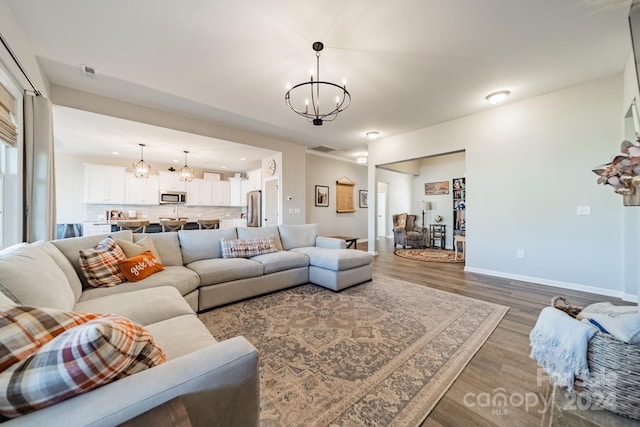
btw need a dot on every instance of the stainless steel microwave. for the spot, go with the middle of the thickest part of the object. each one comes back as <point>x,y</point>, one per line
<point>169,197</point>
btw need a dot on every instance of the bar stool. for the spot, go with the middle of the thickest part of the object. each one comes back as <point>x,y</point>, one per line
<point>172,224</point>
<point>207,224</point>
<point>135,226</point>
<point>460,239</point>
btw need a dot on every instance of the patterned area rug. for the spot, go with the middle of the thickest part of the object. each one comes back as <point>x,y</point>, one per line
<point>380,353</point>
<point>431,255</point>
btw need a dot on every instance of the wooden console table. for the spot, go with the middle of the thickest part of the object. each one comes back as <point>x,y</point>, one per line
<point>351,241</point>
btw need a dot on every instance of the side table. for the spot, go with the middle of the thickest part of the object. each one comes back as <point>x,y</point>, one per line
<point>437,233</point>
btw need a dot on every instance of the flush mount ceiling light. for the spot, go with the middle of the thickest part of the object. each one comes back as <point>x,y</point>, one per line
<point>304,98</point>
<point>141,169</point>
<point>185,173</point>
<point>497,97</point>
<point>373,134</point>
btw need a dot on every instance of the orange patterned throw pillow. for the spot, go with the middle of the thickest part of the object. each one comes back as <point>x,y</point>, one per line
<point>100,264</point>
<point>24,329</point>
<point>78,360</point>
<point>140,266</point>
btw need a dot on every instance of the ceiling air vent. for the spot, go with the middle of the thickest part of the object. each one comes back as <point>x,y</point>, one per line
<point>88,71</point>
<point>323,149</point>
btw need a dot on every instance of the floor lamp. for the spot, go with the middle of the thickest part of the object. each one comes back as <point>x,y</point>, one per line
<point>426,206</point>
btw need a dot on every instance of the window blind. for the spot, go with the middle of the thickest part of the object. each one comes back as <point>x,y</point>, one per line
<point>8,130</point>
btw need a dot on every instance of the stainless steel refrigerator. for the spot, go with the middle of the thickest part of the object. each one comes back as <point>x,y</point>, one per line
<point>254,209</point>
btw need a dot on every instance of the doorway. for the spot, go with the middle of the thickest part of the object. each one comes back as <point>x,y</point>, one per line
<point>381,210</point>
<point>271,198</point>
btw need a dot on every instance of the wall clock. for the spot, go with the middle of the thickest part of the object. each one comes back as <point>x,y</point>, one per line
<point>271,167</point>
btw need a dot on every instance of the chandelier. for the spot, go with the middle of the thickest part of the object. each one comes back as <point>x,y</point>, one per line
<point>141,169</point>
<point>185,173</point>
<point>307,98</point>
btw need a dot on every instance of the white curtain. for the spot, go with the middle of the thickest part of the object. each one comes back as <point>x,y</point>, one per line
<point>40,197</point>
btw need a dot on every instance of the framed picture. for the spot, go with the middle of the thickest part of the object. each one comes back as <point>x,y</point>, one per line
<point>435,188</point>
<point>364,199</point>
<point>322,196</point>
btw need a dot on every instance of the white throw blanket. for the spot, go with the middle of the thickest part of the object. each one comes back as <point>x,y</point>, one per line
<point>559,345</point>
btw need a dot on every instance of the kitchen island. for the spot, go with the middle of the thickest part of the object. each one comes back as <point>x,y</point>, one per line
<point>91,228</point>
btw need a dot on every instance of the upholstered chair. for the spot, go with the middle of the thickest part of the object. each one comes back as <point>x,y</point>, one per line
<point>407,233</point>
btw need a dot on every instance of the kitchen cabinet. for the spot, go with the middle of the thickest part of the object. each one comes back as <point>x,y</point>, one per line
<point>221,193</point>
<point>141,191</point>
<point>254,180</point>
<point>169,181</point>
<point>252,183</point>
<point>103,184</point>
<point>90,228</point>
<point>235,191</point>
<point>200,192</point>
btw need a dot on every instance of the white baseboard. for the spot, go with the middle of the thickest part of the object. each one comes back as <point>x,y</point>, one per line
<point>554,283</point>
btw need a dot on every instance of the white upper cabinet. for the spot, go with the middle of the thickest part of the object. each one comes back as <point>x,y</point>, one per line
<point>235,191</point>
<point>221,193</point>
<point>169,181</point>
<point>200,192</point>
<point>141,191</point>
<point>254,181</point>
<point>103,184</point>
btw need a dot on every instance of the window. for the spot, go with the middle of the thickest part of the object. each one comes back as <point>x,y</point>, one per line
<point>11,181</point>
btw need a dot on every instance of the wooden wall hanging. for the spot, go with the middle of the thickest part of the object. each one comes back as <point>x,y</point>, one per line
<point>344,195</point>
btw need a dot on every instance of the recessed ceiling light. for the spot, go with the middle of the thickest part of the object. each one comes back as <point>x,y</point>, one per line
<point>115,153</point>
<point>243,159</point>
<point>373,134</point>
<point>361,160</point>
<point>175,160</point>
<point>224,167</point>
<point>361,154</point>
<point>497,97</point>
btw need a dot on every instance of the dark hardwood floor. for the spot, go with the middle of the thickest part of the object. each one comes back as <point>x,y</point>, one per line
<point>502,367</point>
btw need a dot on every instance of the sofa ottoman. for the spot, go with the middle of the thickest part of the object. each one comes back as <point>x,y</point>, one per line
<point>337,269</point>
<point>330,265</point>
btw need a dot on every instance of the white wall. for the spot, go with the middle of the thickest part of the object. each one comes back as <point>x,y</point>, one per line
<point>528,166</point>
<point>399,195</point>
<point>325,171</point>
<point>21,47</point>
<point>435,169</point>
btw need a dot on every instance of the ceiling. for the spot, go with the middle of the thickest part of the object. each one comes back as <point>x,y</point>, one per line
<point>408,64</point>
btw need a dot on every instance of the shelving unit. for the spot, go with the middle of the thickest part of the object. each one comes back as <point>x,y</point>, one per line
<point>459,205</point>
<point>438,235</point>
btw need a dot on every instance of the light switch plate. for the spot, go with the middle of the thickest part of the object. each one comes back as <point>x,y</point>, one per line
<point>583,210</point>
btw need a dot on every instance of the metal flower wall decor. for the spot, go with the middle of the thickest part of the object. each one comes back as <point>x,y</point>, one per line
<point>623,173</point>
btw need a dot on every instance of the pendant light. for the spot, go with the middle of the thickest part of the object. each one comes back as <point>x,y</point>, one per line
<point>310,90</point>
<point>185,173</point>
<point>141,169</point>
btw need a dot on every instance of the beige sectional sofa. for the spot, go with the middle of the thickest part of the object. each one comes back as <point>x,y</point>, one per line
<point>218,381</point>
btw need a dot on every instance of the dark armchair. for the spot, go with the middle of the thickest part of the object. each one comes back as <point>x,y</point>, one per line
<point>407,233</point>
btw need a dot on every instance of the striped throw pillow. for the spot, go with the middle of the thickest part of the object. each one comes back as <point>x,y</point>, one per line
<point>100,264</point>
<point>24,329</point>
<point>236,248</point>
<point>80,359</point>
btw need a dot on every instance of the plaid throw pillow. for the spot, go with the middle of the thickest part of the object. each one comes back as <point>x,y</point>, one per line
<point>100,264</point>
<point>78,360</point>
<point>140,266</point>
<point>24,329</point>
<point>235,248</point>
